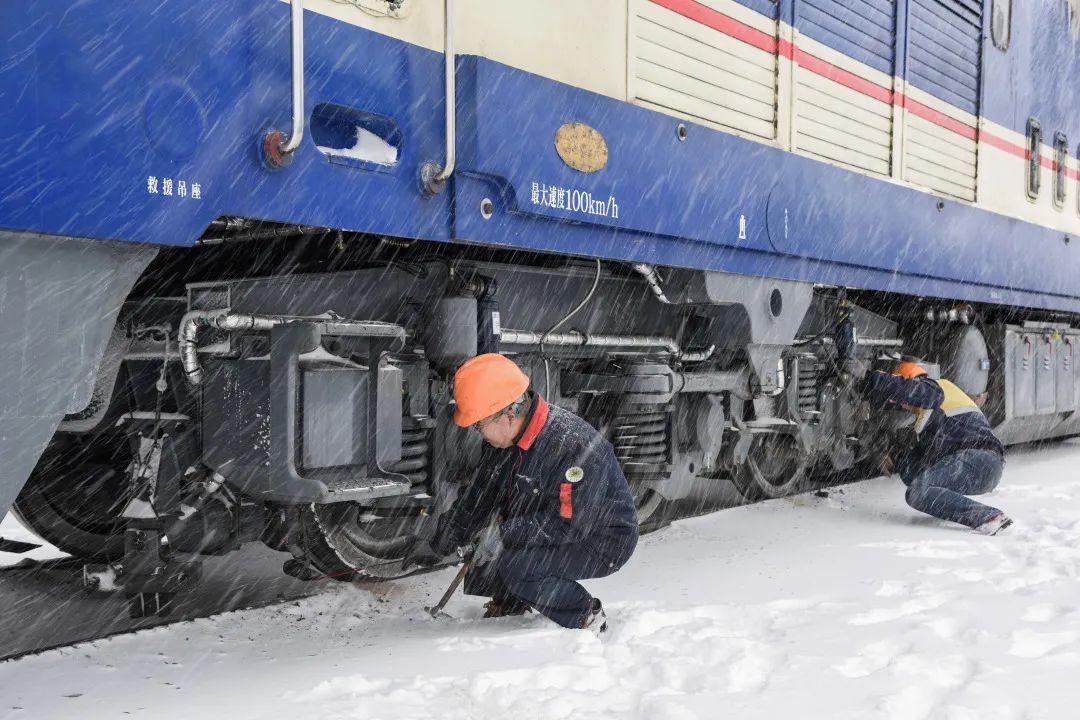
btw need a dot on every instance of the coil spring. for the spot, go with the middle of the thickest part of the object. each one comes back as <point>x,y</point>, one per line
<point>808,373</point>
<point>415,453</point>
<point>640,438</point>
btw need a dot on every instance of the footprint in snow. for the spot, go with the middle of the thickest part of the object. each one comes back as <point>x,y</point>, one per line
<point>1043,612</point>
<point>871,659</point>
<point>1027,643</point>
<point>893,588</point>
<point>914,606</point>
<point>930,549</point>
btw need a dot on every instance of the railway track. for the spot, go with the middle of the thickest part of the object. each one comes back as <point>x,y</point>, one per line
<point>46,607</point>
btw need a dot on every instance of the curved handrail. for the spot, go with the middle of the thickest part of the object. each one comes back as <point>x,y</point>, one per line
<point>293,142</point>
<point>434,177</point>
<point>277,146</point>
<point>451,96</point>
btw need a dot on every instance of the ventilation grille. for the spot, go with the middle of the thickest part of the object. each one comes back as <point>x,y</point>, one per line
<point>941,152</point>
<point>843,111</point>
<point>693,67</point>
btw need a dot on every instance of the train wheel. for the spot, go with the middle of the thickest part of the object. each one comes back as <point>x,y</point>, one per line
<point>76,494</point>
<point>774,467</point>
<point>647,502</point>
<point>346,539</point>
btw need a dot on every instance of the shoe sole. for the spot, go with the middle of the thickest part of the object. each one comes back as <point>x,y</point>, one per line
<point>1004,525</point>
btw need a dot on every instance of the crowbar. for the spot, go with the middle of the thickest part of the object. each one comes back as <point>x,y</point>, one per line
<point>436,610</point>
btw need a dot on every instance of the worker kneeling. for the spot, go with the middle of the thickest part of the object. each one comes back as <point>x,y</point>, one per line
<point>550,493</point>
<point>953,452</point>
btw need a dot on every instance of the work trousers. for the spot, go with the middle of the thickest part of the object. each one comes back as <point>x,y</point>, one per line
<point>940,489</point>
<point>545,577</point>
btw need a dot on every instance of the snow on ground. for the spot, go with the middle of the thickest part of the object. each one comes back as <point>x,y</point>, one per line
<point>850,606</point>
<point>12,529</point>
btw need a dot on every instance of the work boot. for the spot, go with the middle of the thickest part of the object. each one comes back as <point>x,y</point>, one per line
<point>496,608</point>
<point>994,525</point>
<point>596,620</point>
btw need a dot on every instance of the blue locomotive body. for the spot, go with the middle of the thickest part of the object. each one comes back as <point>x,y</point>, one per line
<point>748,171</point>
<point>143,124</point>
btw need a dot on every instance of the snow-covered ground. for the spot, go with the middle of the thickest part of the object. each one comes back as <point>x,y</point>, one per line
<point>12,529</point>
<point>850,606</point>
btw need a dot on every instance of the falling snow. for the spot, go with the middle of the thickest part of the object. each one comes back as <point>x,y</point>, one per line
<point>139,182</point>
<point>849,605</point>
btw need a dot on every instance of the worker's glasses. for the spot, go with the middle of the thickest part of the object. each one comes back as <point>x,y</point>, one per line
<point>479,425</point>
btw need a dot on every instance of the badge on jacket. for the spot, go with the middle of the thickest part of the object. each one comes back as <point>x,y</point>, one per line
<point>575,474</point>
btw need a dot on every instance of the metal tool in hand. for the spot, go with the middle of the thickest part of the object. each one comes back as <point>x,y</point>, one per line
<point>436,611</point>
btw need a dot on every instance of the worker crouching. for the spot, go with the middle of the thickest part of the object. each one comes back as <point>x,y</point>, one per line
<point>549,503</point>
<point>950,451</point>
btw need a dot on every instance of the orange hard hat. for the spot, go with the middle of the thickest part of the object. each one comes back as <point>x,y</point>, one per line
<point>909,370</point>
<point>484,385</point>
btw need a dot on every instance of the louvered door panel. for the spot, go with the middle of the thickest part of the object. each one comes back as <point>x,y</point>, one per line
<point>718,65</point>
<point>844,82</point>
<point>944,53</point>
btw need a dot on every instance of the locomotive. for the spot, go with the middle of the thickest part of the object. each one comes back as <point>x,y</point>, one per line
<point>247,243</point>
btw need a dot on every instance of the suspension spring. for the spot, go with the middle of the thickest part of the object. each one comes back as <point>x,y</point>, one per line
<point>808,376</point>
<point>640,436</point>
<point>415,451</point>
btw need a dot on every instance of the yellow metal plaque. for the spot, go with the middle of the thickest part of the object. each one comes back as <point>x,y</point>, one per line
<point>581,147</point>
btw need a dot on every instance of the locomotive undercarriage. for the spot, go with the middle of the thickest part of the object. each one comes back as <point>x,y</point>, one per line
<point>297,394</point>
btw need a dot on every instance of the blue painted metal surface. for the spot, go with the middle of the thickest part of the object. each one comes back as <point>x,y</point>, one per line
<point>944,50</point>
<point>804,219</point>
<point>102,97</point>
<point>861,29</point>
<point>193,92</point>
<point>1037,75</point>
<point>768,8</point>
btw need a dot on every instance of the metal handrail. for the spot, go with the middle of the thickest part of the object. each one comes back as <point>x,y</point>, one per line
<point>434,177</point>
<point>293,142</point>
<point>278,148</point>
<point>451,95</point>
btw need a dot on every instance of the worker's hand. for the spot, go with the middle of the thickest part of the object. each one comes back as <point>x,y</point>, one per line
<point>419,552</point>
<point>488,545</point>
<point>854,368</point>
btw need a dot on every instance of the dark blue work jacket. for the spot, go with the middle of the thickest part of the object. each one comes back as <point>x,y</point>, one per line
<point>560,484</point>
<point>946,420</point>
